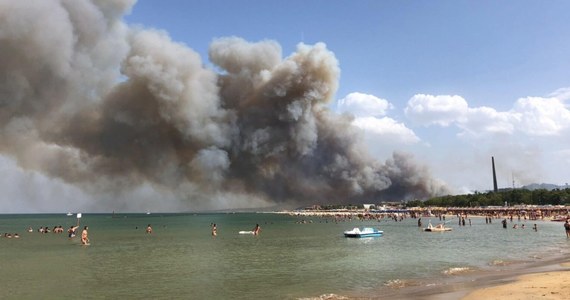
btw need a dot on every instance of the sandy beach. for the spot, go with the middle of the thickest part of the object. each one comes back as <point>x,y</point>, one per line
<point>547,285</point>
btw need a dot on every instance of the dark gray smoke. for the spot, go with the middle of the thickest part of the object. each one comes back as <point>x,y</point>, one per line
<point>111,109</point>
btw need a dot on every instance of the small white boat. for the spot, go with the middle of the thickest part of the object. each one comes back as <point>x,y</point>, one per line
<point>365,232</point>
<point>246,232</point>
<point>437,228</point>
<point>69,214</point>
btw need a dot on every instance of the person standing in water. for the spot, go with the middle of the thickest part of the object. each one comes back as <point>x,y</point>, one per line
<point>148,229</point>
<point>84,236</point>
<point>71,231</point>
<point>256,230</point>
<point>214,230</point>
<point>567,227</point>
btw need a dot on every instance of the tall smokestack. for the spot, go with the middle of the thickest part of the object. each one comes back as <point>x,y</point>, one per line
<point>495,188</point>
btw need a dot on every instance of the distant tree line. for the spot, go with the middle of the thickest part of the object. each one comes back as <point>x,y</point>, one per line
<point>511,197</point>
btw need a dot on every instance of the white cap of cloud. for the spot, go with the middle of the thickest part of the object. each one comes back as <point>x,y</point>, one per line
<point>563,94</point>
<point>364,105</point>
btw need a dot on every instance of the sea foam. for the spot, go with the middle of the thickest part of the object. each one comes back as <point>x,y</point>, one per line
<point>399,283</point>
<point>456,271</point>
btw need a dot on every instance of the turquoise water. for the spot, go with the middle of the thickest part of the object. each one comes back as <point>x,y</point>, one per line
<point>286,261</point>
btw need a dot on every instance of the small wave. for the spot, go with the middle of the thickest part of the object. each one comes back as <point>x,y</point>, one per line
<point>498,262</point>
<point>326,297</point>
<point>399,283</point>
<point>502,263</point>
<point>455,271</point>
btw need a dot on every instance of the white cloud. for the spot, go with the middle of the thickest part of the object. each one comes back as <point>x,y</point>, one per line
<point>363,105</point>
<point>541,116</point>
<point>387,130</point>
<point>441,110</point>
<point>563,94</point>
<point>531,116</point>
<point>482,120</point>
<point>370,116</point>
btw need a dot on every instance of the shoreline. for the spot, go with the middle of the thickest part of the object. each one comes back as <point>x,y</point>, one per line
<point>543,278</point>
<point>525,280</point>
<point>503,284</point>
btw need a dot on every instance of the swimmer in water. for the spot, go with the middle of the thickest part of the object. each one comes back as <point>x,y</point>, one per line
<point>84,236</point>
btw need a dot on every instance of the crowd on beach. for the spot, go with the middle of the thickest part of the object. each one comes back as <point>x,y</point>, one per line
<point>444,214</point>
<point>530,213</point>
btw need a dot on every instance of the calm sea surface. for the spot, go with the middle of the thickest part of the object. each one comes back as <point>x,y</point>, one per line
<point>287,260</point>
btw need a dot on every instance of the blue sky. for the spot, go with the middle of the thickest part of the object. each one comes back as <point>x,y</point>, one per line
<point>453,82</point>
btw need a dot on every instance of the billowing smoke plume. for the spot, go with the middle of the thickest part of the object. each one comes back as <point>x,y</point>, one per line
<point>111,109</point>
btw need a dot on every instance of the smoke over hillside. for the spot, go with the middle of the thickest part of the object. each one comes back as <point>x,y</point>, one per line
<point>110,108</point>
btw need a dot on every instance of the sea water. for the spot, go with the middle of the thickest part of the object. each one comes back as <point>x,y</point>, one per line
<point>288,260</point>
